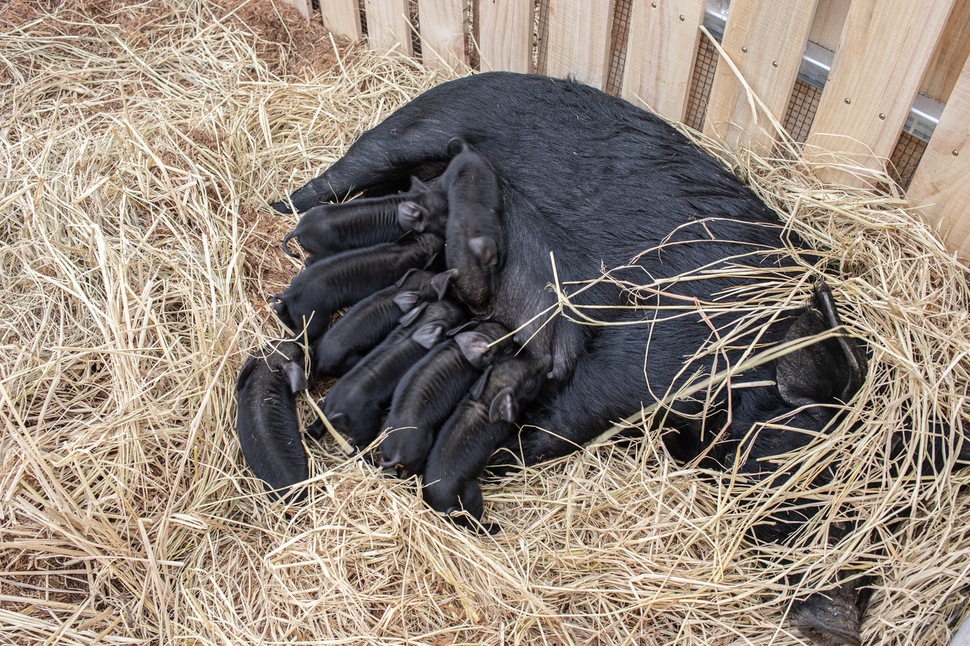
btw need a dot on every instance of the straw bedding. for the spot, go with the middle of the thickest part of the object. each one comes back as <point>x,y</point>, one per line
<point>140,146</point>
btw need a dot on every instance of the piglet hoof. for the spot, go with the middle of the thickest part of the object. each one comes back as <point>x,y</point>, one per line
<point>830,618</point>
<point>316,430</point>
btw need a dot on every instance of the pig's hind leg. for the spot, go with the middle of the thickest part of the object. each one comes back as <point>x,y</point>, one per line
<point>382,161</point>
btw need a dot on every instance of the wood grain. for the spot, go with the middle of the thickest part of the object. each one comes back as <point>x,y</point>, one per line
<point>342,18</point>
<point>388,26</point>
<point>950,55</point>
<point>660,56</point>
<point>941,184</point>
<point>505,34</point>
<point>883,54</point>
<point>442,33</point>
<point>578,38</point>
<point>766,40</point>
<point>829,21</point>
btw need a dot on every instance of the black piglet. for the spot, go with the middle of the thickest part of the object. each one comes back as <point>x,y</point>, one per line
<point>430,390</point>
<point>356,403</point>
<point>266,418</point>
<point>368,322</point>
<point>328,229</point>
<point>482,420</point>
<point>341,280</point>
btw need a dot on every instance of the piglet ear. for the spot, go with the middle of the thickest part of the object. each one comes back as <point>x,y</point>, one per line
<point>428,335</point>
<point>478,388</point>
<point>824,372</point>
<point>440,282</point>
<point>411,216</point>
<point>456,146</point>
<point>339,420</point>
<point>407,300</point>
<point>294,376</point>
<point>417,186</point>
<point>856,363</point>
<point>474,346</point>
<point>402,279</point>
<point>413,315</point>
<point>485,250</point>
<point>503,407</point>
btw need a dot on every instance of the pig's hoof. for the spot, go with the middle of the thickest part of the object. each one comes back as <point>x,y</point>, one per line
<point>830,618</point>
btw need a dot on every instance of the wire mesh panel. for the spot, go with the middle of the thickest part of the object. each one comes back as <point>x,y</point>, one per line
<point>701,82</point>
<point>619,37</point>
<point>905,158</point>
<point>801,110</point>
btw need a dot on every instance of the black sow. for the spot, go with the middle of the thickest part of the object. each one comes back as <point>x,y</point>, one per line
<point>590,181</point>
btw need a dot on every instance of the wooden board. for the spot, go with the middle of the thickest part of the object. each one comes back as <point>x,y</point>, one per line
<point>388,26</point>
<point>941,184</point>
<point>950,54</point>
<point>577,40</point>
<point>303,6</point>
<point>505,34</point>
<point>885,48</point>
<point>766,41</point>
<point>442,25</point>
<point>342,18</point>
<point>829,21</point>
<point>660,54</point>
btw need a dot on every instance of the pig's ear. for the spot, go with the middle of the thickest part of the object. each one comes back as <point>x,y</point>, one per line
<point>294,376</point>
<point>439,282</point>
<point>473,345</point>
<point>412,316</point>
<point>824,372</point>
<point>411,216</point>
<point>485,250</point>
<point>417,186</point>
<point>478,388</point>
<point>428,335</point>
<point>503,407</point>
<point>456,146</point>
<point>407,300</point>
<point>316,429</point>
<point>400,281</point>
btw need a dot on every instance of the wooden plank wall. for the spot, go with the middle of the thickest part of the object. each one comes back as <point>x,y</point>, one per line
<point>885,52</point>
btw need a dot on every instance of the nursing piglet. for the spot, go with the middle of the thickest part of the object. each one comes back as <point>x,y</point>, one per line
<point>368,322</point>
<point>355,405</point>
<point>431,389</point>
<point>328,229</point>
<point>343,279</point>
<point>475,247</point>
<point>480,423</point>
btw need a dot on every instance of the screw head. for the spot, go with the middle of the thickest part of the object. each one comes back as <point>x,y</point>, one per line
<point>956,153</point>
<point>744,49</point>
<point>848,100</point>
<point>882,115</point>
